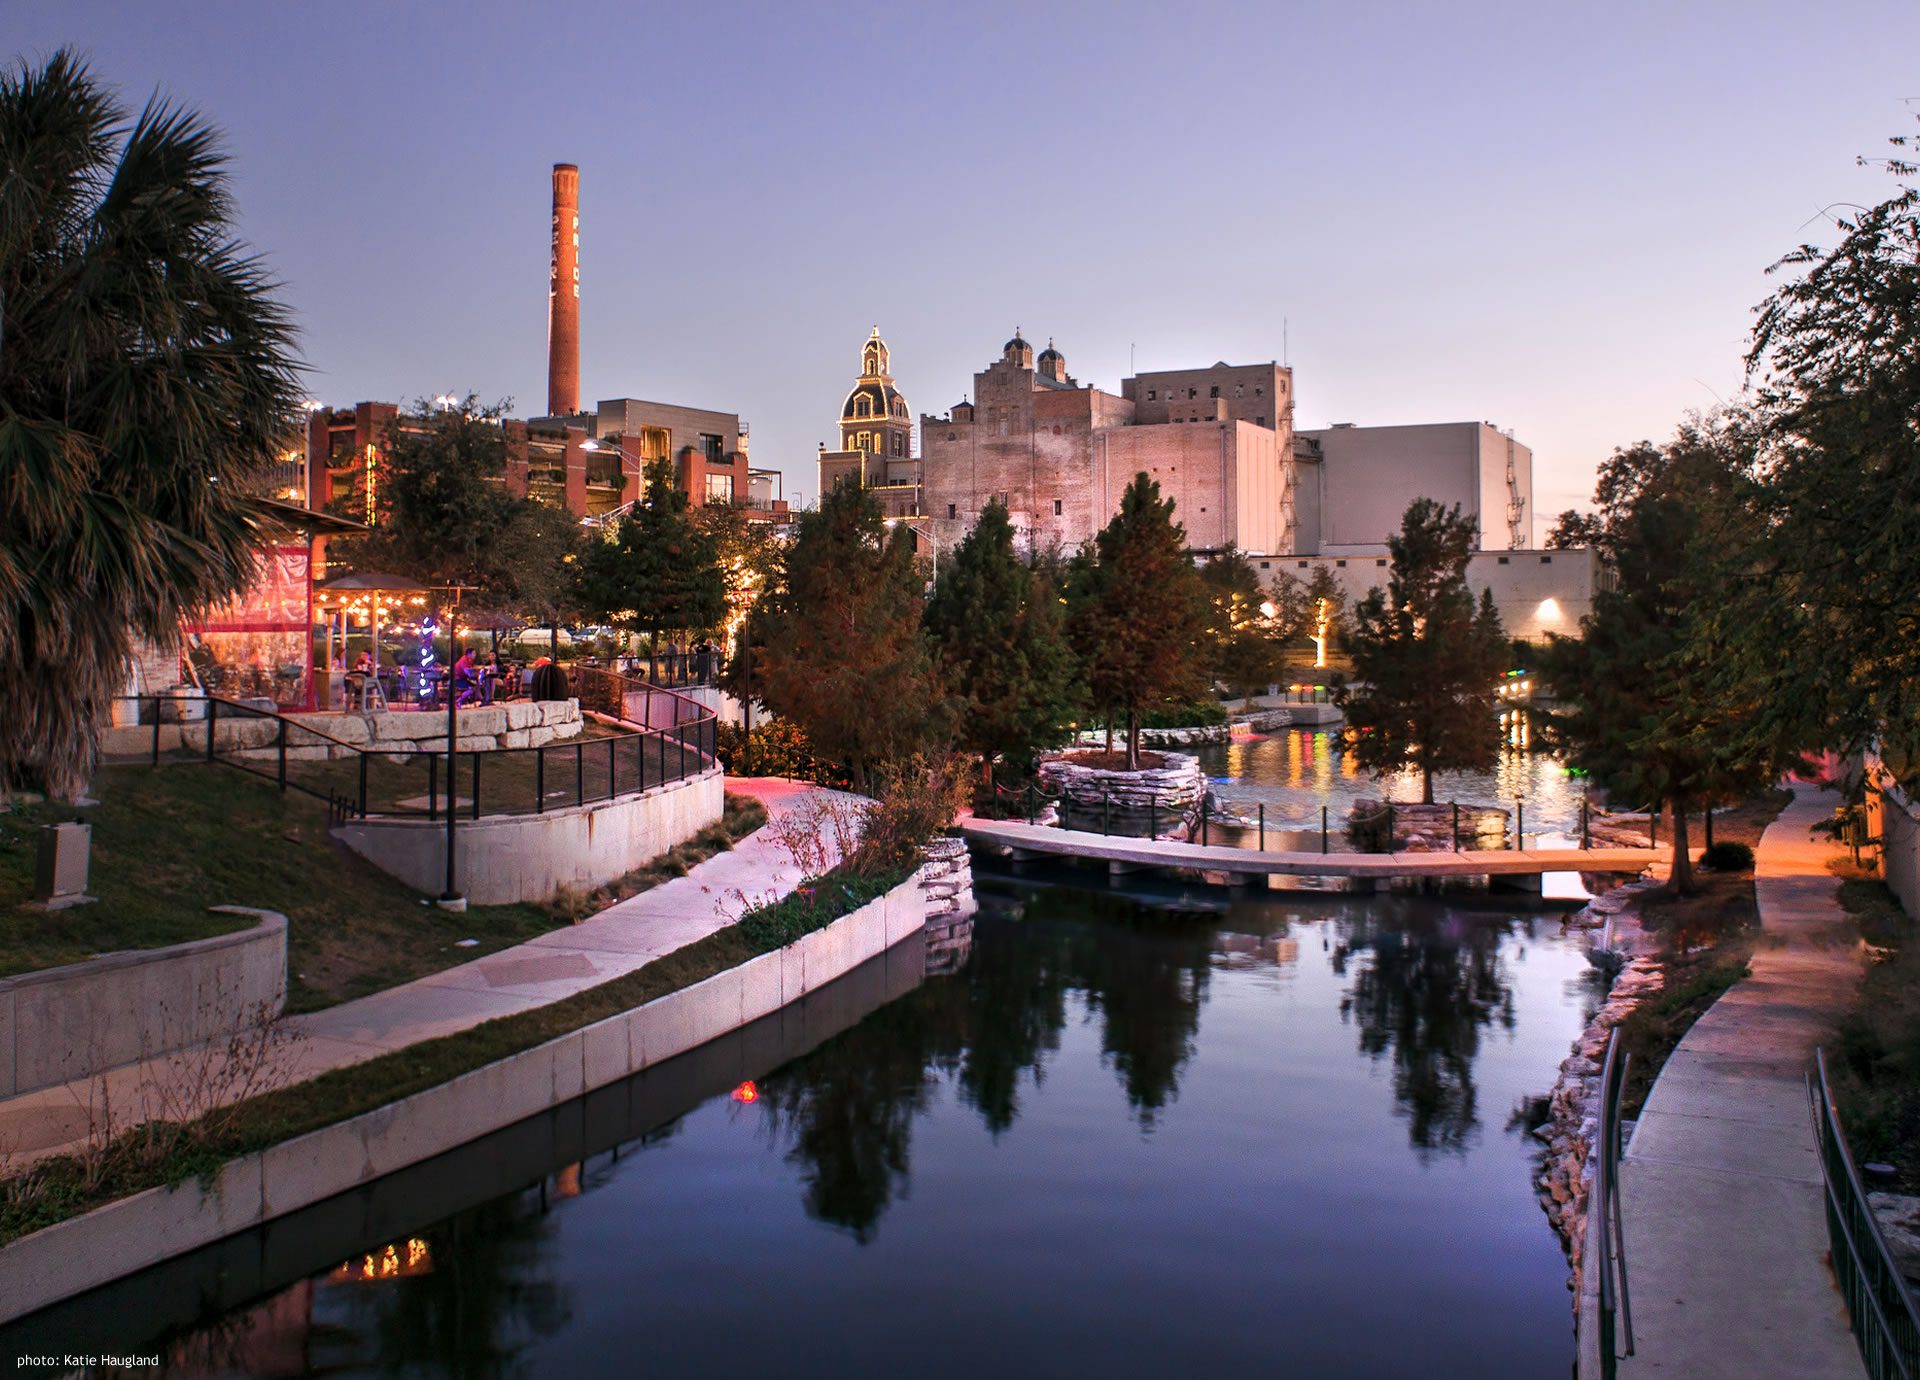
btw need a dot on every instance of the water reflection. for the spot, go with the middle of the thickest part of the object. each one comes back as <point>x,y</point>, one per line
<point>1421,985</point>
<point>1422,992</point>
<point>1296,771</point>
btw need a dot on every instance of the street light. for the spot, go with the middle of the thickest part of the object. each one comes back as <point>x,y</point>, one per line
<point>445,402</point>
<point>932,540</point>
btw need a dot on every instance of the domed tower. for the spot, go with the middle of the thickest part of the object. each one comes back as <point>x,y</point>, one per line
<point>1017,352</point>
<point>1053,365</point>
<point>875,418</point>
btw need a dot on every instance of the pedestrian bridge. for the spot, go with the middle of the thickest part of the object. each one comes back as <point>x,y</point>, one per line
<point>1239,866</point>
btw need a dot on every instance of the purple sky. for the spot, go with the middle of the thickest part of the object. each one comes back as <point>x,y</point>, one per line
<point>1555,220</point>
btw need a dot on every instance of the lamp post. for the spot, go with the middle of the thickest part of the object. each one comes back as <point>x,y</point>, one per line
<point>927,532</point>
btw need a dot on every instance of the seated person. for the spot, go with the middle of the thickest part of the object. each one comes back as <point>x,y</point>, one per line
<point>466,676</point>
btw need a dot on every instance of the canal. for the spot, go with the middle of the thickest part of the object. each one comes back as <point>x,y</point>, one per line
<point>1131,1135</point>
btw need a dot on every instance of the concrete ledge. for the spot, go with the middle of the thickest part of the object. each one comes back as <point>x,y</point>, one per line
<point>62,1024</point>
<point>504,859</point>
<point>129,1235</point>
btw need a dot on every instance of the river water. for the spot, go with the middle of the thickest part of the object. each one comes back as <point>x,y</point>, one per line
<point>1152,1135</point>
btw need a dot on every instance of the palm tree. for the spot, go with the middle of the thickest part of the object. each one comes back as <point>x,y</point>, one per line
<point>146,378</point>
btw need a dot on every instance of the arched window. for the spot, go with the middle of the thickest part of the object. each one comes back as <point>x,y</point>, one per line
<point>862,406</point>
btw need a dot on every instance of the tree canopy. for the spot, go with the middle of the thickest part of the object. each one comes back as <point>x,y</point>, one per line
<point>837,642</point>
<point>655,570</point>
<point>1248,623</point>
<point>999,636</point>
<point>1426,659</point>
<point>1656,710</point>
<point>1836,359</point>
<point>1137,611</point>
<point>147,384</point>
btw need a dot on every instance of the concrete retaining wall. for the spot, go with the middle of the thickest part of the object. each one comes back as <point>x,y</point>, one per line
<point>153,1226</point>
<point>503,859</point>
<point>73,1022</point>
<point>483,728</point>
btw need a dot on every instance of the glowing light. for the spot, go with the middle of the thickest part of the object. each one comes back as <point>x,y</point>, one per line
<point>746,1092</point>
<point>1549,611</point>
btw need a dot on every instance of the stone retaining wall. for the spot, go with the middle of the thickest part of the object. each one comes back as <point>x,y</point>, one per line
<point>946,880</point>
<point>160,1223</point>
<point>1161,800</point>
<point>62,1024</point>
<point>517,724</point>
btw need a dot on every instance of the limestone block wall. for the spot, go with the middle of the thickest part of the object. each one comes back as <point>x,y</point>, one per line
<point>1159,801</point>
<point>504,859</point>
<point>517,724</point>
<point>68,1023</point>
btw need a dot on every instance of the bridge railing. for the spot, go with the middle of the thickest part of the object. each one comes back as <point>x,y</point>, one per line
<point>1885,1322</point>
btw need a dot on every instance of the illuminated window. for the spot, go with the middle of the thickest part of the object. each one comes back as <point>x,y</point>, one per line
<point>719,488</point>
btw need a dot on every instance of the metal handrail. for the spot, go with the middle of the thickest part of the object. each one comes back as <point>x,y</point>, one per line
<point>1605,1237</point>
<point>691,737</point>
<point>1886,1323</point>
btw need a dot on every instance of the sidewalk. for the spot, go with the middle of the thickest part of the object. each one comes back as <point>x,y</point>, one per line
<point>618,940</point>
<point>1726,1237</point>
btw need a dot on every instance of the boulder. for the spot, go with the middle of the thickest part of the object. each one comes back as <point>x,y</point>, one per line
<point>474,742</point>
<point>1899,1218</point>
<point>404,725</point>
<point>537,737</point>
<point>516,737</point>
<point>522,713</point>
<point>489,721</point>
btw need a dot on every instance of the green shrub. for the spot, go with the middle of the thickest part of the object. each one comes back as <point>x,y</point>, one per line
<point>1728,856</point>
<point>1195,714</point>
<point>815,906</point>
<point>773,747</point>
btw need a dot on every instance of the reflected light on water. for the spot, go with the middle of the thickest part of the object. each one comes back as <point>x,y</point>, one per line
<point>748,1091</point>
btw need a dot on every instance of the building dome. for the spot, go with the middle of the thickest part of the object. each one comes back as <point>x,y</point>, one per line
<point>873,401</point>
<point>1017,352</point>
<point>1015,344</point>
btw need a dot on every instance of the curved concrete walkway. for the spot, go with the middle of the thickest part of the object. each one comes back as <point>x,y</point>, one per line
<point>616,941</point>
<point>1720,1190</point>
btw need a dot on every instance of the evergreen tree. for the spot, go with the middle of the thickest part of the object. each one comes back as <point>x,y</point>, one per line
<point>1425,658</point>
<point>1324,615</point>
<point>1137,614</point>
<point>1000,645</point>
<point>838,646</point>
<point>1658,706</point>
<point>655,570</point>
<point>1248,623</point>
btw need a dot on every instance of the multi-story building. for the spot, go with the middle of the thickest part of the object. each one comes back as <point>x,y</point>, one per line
<point>1362,478</point>
<point>876,437</point>
<point>1059,454</point>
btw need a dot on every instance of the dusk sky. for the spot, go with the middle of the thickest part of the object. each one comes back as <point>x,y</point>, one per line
<point>1553,217</point>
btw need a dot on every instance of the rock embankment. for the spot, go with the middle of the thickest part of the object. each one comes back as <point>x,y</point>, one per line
<point>1426,828</point>
<point>1572,1127</point>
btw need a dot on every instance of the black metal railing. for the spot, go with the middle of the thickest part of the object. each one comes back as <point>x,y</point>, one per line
<point>1885,1321</point>
<point>1606,1242</point>
<point>1375,832</point>
<point>664,738</point>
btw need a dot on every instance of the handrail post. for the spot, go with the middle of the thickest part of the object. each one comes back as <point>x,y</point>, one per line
<point>1456,826</point>
<point>473,769</point>
<point>1586,838</point>
<point>1106,809</point>
<point>579,773</point>
<point>1032,813</point>
<point>1390,829</point>
<point>433,785</point>
<point>1520,823</point>
<point>213,717</point>
<point>613,769</point>
<point>156,730</point>
<point>540,779</point>
<point>283,753</point>
<point>1206,834</point>
<point>1263,826</point>
<point>363,784</point>
<point>1323,830</point>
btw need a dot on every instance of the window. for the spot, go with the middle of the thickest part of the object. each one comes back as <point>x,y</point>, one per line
<point>1001,499</point>
<point>1380,563</point>
<point>1193,393</point>
<point>1056,507</point>
<point>1341,564</point>
<point>952,511</point>
<point>1152,394</point>
<point>1303,565</point>
<point>1546,560</point>
<point>1257,390</point>
<point>1262,419</point>
<point>1214,391</point>
<point>719,488</point>
<point>710,447</point>
<point>1264,565</point>
<point>1504,561</point>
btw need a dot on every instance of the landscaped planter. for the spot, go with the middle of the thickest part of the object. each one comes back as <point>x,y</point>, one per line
<point>1161,799</point>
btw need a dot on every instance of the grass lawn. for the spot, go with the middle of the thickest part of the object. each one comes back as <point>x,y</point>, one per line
<point>1875,1063</point>
<point>170,841</point>
<point>1706,940</point>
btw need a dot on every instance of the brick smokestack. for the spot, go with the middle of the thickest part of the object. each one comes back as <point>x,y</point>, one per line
<point>563,295</point>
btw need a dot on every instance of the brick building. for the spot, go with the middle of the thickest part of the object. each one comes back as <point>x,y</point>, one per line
<point>876,437</point>
<point>1058,454</point>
